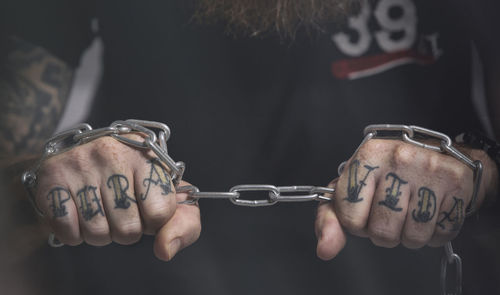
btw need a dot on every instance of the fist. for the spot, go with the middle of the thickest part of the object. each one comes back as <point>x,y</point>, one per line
<point>106,191</point>
<point>393,192</point>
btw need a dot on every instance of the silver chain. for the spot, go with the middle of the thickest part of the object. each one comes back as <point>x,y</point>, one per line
<point>413,135</point>
<point>84,133</point>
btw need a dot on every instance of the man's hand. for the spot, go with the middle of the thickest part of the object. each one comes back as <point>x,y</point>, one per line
<point>393,192</point>
<point>106,191</point>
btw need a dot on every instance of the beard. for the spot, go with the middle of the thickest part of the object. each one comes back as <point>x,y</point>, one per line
<point>284,17</point>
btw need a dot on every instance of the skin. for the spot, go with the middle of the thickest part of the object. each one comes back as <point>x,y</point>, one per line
<point>416,197</point>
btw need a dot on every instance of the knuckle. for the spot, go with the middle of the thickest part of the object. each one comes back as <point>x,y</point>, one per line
<point>414,240</point>
<point>433,163</point>
<point>404,155</point>
<point>383,237</point>
<point>441,237</point>
<point>97,232</point>
<point>107,149</point>
<point>157,215</point>
<point>127,232</point>
<point>372,146</point>
<point>457,177</point>
<point>351,222</point>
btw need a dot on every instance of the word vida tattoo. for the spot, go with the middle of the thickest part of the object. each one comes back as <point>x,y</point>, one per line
<point>353,186</point>
<point>158,176</point>
<point>455,216</point>
<point>58,196</point>
<point>426,205</point>
<point>119,184</point>
<point>88,195</point>
<point>393,192</point>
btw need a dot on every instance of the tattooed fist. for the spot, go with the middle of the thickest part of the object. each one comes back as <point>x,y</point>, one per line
<point>106,191</point>
<point>393,192</point>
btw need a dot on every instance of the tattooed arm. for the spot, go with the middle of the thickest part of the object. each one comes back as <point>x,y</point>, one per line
<point>33,90</point>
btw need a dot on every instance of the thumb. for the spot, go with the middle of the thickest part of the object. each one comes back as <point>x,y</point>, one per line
<point>331,237</point>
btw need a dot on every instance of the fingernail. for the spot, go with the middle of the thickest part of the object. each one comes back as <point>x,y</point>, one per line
<point>173,247</point>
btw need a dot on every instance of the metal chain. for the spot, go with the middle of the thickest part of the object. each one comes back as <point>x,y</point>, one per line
<point>84,133</point>
<point>412,135</point>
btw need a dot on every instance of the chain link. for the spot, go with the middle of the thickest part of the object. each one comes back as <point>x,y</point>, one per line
<point>296,193</point>
<point>157,143</point>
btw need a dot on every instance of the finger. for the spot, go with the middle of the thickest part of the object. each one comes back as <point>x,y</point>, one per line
<point>60,212</point>
<point>449,221</point>
<point>154,194</point>
<point>421,218</point>
<point>93,223</point>
<point>120,207</point>
<point>388,210</point>
<point>331,237</point>
<point>354,193</point>
<point>181,230</point>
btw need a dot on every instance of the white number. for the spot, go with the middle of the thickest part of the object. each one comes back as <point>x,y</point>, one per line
<point>406,23</point>
<point>358,23</point>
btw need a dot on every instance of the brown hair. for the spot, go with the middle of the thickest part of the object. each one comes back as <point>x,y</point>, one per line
<point>285,17</point>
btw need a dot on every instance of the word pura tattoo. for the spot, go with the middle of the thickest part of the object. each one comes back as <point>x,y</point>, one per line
<point>455,216</point>
<point>393,192</point>
<point>87,195</point>
<point>119,184</point>
<point>58,196</point>
<point>353,186</point>
<point>426,205</point>
<point>158,176</point>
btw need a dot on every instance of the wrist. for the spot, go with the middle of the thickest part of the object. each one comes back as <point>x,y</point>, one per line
<point>486,150</point>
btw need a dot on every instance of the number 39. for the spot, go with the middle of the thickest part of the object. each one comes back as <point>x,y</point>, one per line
<point>397,32</point>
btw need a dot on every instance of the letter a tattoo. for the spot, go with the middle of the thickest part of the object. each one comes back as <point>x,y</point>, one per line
<point>157,176</point>
<point>353,187</point>
<point>455,216</point>
<point>393,192</point>
<point>119,184</point>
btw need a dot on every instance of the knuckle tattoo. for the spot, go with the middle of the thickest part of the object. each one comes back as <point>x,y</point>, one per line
<point>393,192</point>
<point>89,202</point>
<point>58,196</point>
<point>354,186</point>
<point>119,184</point>
<point>426,206</point>
<point>452,219</point>
<point>158,176</point>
